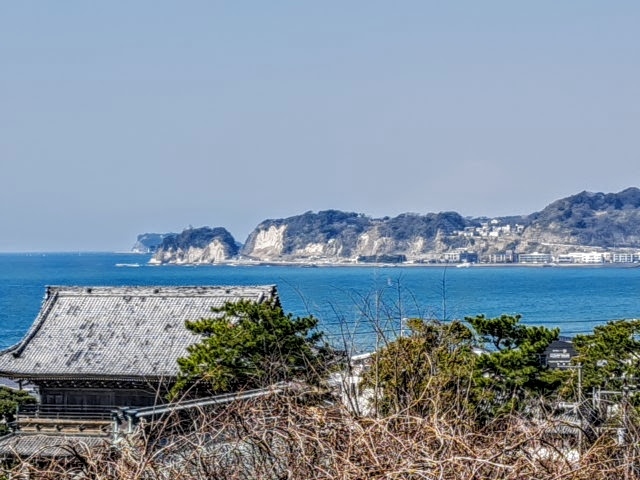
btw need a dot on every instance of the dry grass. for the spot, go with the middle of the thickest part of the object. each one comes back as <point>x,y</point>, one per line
<point>282,437</point>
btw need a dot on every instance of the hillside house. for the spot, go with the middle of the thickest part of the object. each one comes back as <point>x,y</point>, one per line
<point>559,354</point>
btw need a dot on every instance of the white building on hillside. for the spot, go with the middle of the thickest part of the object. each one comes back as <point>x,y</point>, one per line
<point>587,257</point>
<point>535,257</point>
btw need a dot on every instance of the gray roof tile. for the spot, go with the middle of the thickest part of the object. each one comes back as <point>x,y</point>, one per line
<point>48,445</point>
<point>127,332</point>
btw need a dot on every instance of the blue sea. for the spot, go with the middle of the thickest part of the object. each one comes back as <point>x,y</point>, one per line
<point>357,306</point>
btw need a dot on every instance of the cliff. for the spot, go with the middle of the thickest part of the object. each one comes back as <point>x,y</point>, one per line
<point>577,223</point>
<point>328,234</point>
<point>196,246</point>
<point>336,236</point>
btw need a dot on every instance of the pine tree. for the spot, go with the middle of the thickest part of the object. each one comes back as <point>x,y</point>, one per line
<point>249,345</point>
<point>511,370</point>
<point>610,356</point>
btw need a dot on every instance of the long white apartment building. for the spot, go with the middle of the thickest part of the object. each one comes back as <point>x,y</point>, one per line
<point>587,257</point>
<point>535,257</point>
<point>624,257</point>
<point>598,257</point>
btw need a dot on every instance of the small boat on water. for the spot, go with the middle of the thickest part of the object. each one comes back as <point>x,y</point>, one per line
<point>464,265</point>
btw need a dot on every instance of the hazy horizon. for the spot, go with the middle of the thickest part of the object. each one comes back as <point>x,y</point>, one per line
<point>125,118</point>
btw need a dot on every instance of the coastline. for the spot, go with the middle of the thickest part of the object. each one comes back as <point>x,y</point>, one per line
<point>346,264</point>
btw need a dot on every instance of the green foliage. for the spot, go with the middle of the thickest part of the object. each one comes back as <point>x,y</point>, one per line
<point>610,356</point>
<point>249,345</point>
<point>406,226</point>
<point>434,360</point>
<point>436,366</point>
<point>9,401</point>
<point>511,371</point>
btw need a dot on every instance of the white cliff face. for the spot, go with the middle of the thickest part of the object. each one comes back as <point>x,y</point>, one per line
<point>312,249</point>
<point>372,244</point>
<point>269,242</point>
<point>363,243</point>
<point>416,247</point>
<point>330,249</point>
<point>215,252</point>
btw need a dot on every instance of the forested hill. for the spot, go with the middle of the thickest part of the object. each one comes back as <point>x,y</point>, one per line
<point>596,219</point>
<point>576,223</point>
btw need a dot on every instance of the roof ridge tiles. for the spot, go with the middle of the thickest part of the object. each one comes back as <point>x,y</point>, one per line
<point>174,290</point>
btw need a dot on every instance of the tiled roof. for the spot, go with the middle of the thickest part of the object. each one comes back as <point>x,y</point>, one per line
<point>47,445</point>
<point>105,332</point>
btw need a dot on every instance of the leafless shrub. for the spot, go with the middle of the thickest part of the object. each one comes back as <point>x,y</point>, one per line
<point>286,437</point>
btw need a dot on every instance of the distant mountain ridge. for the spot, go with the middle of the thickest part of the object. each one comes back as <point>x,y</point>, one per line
<point>605,220</point>
<point>576,223</point>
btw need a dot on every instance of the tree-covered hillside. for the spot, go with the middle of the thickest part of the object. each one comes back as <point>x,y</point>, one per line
<point>597,219</point>
<point>200,238</point>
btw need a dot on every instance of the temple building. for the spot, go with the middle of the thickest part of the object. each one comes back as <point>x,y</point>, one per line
<point>93,349</point>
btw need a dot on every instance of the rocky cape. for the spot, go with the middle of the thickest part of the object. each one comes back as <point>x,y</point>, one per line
<point>583,222</point>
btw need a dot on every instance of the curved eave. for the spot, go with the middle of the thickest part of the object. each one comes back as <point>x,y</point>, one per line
<point>47,304</point>
<point>88,377</point>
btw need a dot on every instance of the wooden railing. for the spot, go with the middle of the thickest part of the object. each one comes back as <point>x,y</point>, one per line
<point>66,412</point>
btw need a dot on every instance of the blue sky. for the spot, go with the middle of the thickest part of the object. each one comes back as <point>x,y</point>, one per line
<point>118,118</point>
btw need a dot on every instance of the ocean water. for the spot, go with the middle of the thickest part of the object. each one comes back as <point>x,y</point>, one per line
<point>356,306</point>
